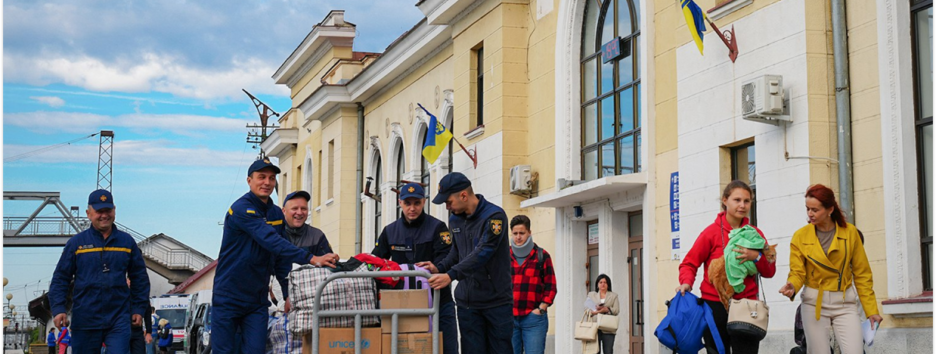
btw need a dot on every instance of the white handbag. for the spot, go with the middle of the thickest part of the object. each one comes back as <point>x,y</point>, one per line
<point>586,330</point>
<point>607,323</point>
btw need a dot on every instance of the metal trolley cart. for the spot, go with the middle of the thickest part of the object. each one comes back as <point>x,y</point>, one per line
<point>394,313</point>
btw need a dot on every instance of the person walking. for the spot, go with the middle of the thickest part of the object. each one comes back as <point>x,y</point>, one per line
<point>152,342</point>
<point>417,237</point>
<point>606,302</point>
<point>827,257</point>
<point>50,340</point>
<point>165,336</point>
<point>735,204</point>
<point>139,334</point>
<point>252,249</point>
<point>480,261</point>
<point>100,260</point>
<point>534,288</point>
<point>63,341</point>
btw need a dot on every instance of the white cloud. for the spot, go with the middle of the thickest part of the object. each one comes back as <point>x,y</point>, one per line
<point>154,73</point>
<point>52,101</point>
<point>72,122</point>
<point>131,152</point>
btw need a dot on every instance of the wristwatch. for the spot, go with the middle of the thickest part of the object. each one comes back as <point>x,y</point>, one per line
<point>542,310</point>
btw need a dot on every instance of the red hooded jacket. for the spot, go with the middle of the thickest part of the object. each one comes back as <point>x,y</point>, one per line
<point>710,245</point>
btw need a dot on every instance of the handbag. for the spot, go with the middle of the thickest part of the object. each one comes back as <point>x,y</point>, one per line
<point>586,330</point>
<point>607,323</point>
<point>748,318</point>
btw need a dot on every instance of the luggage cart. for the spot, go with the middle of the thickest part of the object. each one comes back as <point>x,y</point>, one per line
<point>394,313</point>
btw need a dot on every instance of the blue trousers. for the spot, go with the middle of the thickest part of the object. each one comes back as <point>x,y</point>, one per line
<point>230,317</point>
<point>486,330</point>
<point>529,334</point>
<point>448,327</point>
<point>117,339</point>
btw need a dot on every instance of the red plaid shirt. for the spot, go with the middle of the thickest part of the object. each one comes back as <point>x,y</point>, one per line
<point>532,283</point>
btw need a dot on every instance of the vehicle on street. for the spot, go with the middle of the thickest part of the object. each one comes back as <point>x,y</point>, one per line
<point>173,307</point>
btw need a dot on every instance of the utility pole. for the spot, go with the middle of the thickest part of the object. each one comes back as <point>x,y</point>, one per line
<point>256,134</point>
<point>106,160</point>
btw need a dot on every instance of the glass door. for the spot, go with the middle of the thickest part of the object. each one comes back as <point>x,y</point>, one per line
<point>635,269</point>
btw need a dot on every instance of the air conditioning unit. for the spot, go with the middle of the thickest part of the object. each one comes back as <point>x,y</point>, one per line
<point>520,179</point>
<point>762,100</point>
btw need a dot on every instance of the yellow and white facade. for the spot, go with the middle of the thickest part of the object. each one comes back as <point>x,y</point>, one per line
<point>514,83</point>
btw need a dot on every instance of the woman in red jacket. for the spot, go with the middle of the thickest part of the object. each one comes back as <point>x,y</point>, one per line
<point>736,202</point>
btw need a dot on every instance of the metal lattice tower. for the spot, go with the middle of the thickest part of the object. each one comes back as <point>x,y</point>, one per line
<point>256,134</point>
<point>106,160</point>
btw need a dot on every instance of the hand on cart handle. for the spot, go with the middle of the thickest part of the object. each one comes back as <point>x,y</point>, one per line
<point>429,266</point>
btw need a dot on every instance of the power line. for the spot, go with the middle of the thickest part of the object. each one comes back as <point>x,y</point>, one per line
<point>47,148</point>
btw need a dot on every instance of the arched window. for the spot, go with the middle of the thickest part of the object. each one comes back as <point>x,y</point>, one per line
<point>400,166</point>
<point>378,206</point>
<point>610,90</point>
<point>424,170</point>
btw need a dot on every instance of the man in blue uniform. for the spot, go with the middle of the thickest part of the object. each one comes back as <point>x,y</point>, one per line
<point>480,261</point>
<point>100,260</point>
<point>252,247</point>
<point>305,236</point>
<point>417,237</point>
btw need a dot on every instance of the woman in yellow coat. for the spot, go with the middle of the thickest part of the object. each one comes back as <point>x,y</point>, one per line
<point>826,258</point>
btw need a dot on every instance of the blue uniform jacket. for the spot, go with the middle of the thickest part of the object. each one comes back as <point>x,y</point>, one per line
<point>51,339</point>
<point>166,342</point>
<point>480,257</point>
<point>252,247</point>
<point>100,268</point>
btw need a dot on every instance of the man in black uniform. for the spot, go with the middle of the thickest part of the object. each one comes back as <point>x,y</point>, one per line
<point>418,237</point>
<point>480,261</point>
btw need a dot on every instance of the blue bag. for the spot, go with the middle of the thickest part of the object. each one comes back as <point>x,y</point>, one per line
<point>687,317</point>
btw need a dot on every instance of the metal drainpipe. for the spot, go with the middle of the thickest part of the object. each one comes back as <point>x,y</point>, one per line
<point>843,108</point>
<point>359,179</point>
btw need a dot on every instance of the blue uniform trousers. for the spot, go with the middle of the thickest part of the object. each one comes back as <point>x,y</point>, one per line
<point>117,339</point>
<point>229,318</point>
<point>448,327</point>
<point>486,330</point>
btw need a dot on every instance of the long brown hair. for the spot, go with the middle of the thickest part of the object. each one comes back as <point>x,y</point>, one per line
<point>730,188</point>
<point>827,197</point>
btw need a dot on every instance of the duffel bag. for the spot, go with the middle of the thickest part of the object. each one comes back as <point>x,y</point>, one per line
<point>353,294</point>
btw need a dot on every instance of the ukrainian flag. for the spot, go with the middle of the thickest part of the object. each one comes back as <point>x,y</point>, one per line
<point>695,21</point>
<point>436,139</point>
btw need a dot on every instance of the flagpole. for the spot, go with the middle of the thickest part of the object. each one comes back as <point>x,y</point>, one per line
<point>473,157</point>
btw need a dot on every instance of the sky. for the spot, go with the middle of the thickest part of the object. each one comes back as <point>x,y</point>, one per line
<point>166,77</point>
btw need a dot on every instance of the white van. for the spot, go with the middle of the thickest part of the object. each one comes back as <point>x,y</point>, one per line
<point>173,308</point>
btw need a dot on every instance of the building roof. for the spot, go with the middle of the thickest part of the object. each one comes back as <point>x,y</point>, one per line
<point>192,279</point>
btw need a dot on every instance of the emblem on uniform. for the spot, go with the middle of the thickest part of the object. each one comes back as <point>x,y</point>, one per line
<point>496,226</point>
<point>411,189</point>
<point>266,160</point>
<point>103,198</point>
<point>446,237</point>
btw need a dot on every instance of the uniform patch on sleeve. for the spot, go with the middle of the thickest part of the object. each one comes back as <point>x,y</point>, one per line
<point>446,237</point>
<point>251,211</point>
<point>497,226</point>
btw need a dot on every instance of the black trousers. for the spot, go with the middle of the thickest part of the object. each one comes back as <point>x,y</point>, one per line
<point>606,340</point>
<point>738,345</point>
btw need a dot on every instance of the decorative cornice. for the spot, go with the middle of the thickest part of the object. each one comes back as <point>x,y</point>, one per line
<point>723,10</point>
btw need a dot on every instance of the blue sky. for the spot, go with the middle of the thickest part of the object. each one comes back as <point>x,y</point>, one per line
<point>166,77</point>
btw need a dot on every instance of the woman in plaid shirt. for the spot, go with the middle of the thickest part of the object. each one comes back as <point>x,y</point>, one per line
<point>534,288</point>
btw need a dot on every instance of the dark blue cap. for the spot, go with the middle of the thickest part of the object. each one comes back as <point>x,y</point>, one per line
<point>412,190</point>
<point>101,199</point>
<point>261,164</point>
<point>452,183</point>
<point>301,194</point>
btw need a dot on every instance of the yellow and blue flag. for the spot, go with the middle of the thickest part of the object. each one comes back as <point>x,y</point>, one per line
<point>436,139</point>
<point>695,20</point>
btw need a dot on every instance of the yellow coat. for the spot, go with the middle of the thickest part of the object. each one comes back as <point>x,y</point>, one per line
<point>846,261</point>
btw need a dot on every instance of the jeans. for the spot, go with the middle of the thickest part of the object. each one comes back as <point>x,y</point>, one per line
<point>606,340</point>
<point>486,330</point>
<point>116,338</point>
<point>150,347</point>
<point>529,334</point>
<point>448,327</point>
<point>732,345</point>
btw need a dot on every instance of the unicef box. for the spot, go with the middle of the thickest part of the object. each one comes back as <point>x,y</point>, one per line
<point>341,341</point>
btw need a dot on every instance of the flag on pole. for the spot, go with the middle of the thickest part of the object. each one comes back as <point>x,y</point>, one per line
<point>437,138</point>
<point>695,20</point>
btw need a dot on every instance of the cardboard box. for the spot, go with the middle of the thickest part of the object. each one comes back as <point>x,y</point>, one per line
<point>405,299</point>
<point>341,341</point>
<point>410,343</point>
